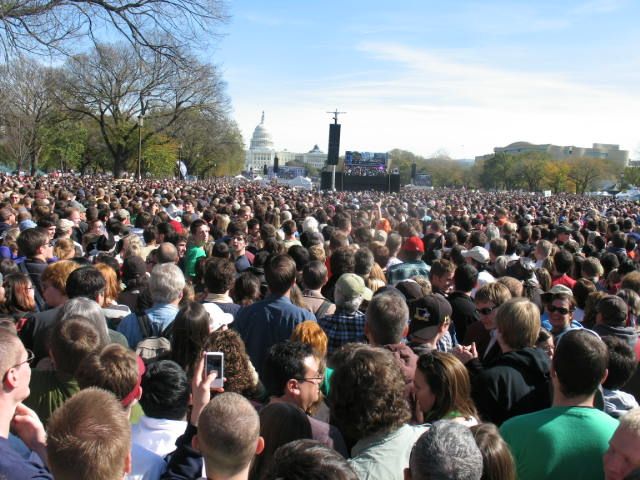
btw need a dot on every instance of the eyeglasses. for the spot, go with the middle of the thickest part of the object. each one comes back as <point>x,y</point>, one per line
<point>560,310</point>
<point>30,357</point>
<point>316,379</point>
<point>485,310</point>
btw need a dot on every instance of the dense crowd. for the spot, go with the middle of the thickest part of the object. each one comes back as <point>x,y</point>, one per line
<point>429,334</point>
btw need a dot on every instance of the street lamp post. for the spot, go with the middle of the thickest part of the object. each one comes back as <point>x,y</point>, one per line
<point>140,124</point>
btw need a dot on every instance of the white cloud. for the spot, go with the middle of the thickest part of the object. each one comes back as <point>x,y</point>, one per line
<point>426,101</point>
<point>598,7</point>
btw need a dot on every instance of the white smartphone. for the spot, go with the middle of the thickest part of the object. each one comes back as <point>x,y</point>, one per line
<point>215,363</point>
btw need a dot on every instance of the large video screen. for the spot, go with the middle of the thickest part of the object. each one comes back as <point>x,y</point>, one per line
<point>423,180</point>
<point>366,159</point>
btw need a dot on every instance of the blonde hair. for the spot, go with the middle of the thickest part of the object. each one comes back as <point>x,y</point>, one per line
<point>89,436</point>
<point>64,249</point>
<point>228,432</point>
<point>495,292</point>
<point>316,252</point>
<point>132,246</point>
<point>518,322</point>
<point>631,421</point>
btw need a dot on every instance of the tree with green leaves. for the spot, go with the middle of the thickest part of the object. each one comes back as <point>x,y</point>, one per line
<point>631,176</point>
<point>64,143</point>
<point>499,171</point>
<point>530,168</point>
<point>114,88</point>
<point>585,171</point>
<point>209,145</point>
<point>556,176</point>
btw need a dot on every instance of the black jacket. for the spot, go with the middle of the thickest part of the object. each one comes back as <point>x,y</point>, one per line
<point>518,382</point>
<point>464,313</point>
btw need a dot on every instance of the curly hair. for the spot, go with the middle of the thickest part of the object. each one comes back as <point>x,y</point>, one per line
<point>238,371</point>
<point>367,394</point>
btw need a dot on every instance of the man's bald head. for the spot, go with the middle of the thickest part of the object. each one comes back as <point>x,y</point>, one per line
<point>167,253</point>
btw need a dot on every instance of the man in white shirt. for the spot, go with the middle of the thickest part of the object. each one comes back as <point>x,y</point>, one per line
<point>165,396</point>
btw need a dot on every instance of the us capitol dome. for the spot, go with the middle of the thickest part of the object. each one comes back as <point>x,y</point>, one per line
<point>262,153</point>
<point>261,138</point>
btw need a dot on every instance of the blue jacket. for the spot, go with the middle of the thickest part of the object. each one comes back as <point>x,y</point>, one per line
<point>266,323</point>
<point>160,316</point>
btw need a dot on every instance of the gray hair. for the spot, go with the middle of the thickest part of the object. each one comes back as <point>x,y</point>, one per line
<point>166,283</point>
<point>447,451</point>
<point>310,224</point>
<point>630,421</point>
<point>89,309</point>
<point>348,304</point>
<point>387,317</point>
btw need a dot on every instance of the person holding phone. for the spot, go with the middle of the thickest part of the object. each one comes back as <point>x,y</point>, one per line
<point>223,433</point>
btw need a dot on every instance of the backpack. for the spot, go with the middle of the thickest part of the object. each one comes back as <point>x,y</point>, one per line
<point>151,347</point>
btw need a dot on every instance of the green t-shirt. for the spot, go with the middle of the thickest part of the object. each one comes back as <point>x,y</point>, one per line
<point>559,442</point>
<point>191,259</point>
<point>49,389</point>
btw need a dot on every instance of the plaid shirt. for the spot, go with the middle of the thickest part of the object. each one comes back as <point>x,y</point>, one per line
<point>343,327</point>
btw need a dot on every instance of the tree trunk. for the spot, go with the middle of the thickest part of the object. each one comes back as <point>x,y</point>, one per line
<point>33,157</point>
<point>118,163</point>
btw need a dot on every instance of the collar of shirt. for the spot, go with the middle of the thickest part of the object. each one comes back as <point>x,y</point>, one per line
<point>218,297</point>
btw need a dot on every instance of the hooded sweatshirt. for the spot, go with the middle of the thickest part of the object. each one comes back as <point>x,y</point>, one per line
<point>518,382</point>
<point>628,334</point>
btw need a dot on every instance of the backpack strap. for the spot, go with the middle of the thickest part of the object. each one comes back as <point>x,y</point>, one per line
<point>145,327</point>
<point>168,331</point>
<point>323,308</point>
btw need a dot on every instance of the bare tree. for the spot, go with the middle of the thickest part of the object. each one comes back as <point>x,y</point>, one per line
<point>114,87</point>
<point>26,105</point>
<point>57,26</point>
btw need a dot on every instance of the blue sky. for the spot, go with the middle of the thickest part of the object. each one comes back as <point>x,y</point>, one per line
<point>426,76</point>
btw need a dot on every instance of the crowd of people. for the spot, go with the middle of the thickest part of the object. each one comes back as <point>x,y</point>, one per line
<point>427,334</point>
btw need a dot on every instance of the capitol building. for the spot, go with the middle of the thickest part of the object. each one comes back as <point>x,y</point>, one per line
<point>261,152</point>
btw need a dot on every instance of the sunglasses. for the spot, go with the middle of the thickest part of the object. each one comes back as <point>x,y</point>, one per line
<point>485,311</point>
<point>560,310</point>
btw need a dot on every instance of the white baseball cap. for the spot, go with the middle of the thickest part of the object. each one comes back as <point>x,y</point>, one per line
<point>217,318</point>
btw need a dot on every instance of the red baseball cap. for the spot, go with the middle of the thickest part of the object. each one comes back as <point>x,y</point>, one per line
<point>413,244</point>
